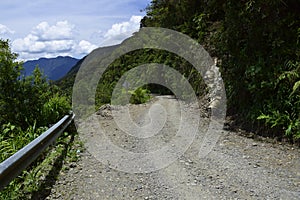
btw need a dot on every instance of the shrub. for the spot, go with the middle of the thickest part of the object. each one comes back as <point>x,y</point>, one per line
<point>139,96</point>
<point>55,108</point>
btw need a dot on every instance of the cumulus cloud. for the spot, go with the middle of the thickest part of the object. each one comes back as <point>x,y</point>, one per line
<point>32,44</point>
<point>62,30</point>
<point>120,31</point>
<point>85,47</point>
<point>60,38</point>
<point>4,30</point>
<point>45,38</point>
<point>50,41</point>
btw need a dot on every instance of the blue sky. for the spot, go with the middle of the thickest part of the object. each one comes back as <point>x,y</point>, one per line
<point>48,28</point>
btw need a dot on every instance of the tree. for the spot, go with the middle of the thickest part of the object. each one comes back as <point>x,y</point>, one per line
<point>10,72</point>
<point>25,101</point>
<point>258,45</point>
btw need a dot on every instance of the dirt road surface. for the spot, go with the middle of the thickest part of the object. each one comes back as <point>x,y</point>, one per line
<point>238,167</point>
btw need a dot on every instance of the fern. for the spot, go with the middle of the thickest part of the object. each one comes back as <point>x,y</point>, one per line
<point>296,86</point>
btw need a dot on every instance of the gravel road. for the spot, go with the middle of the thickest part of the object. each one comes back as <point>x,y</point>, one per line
<point>238,167</point>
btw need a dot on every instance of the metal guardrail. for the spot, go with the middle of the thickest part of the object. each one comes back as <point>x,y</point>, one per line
<point>14,165</point>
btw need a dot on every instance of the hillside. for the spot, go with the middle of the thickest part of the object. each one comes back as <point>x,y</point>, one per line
<point>259,64</point>
<point>53,68</point>
<point>67,81</point>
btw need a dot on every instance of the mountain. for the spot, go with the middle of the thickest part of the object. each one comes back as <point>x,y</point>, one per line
<point>67,81</point>
<point>53,68</point>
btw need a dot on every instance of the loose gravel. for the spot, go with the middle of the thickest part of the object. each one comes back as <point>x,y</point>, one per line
<point>238,167</point>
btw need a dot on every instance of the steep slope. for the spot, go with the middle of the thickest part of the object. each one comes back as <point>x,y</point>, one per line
<point>67,81</point>
<point>53,68</point>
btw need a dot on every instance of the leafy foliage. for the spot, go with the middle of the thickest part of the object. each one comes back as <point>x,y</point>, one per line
<point>12,138</point>
<point>286,116</point>
<point>28,105</point>
<point>257,46</point>
<point>146,56</point>
<point>52,110</point>
<point>37,180</point>
<point>139,96</point>
<point>257,43</point>
<point>27,100</point>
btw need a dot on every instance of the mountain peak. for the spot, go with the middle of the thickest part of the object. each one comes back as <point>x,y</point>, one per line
<point>53,68</point>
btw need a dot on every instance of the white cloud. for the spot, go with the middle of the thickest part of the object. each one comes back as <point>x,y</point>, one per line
<point>58,20</point>
<point>85,47</point>
<point>60,38</point>
<point>51,41</point>
<point>4,30</point>
<point>120,31</point>
<point>62,30</point>
<point>32,44</point>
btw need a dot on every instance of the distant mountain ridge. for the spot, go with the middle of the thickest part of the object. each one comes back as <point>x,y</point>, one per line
<point>53,68</point>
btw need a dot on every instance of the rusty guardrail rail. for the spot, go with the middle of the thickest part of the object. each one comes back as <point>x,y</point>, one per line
<point>14,165</point>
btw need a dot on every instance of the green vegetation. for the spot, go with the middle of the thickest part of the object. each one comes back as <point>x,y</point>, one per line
<point>257,44</point>
<point>37,180</point>
<point>13,138</point>
<point>27,100</point>
<point>139,96</point>
<point>28,105</point>
<point>136,58</point>
<point>66,83</point>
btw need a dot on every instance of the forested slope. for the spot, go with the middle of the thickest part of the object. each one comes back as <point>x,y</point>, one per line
<point>257,44</point>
